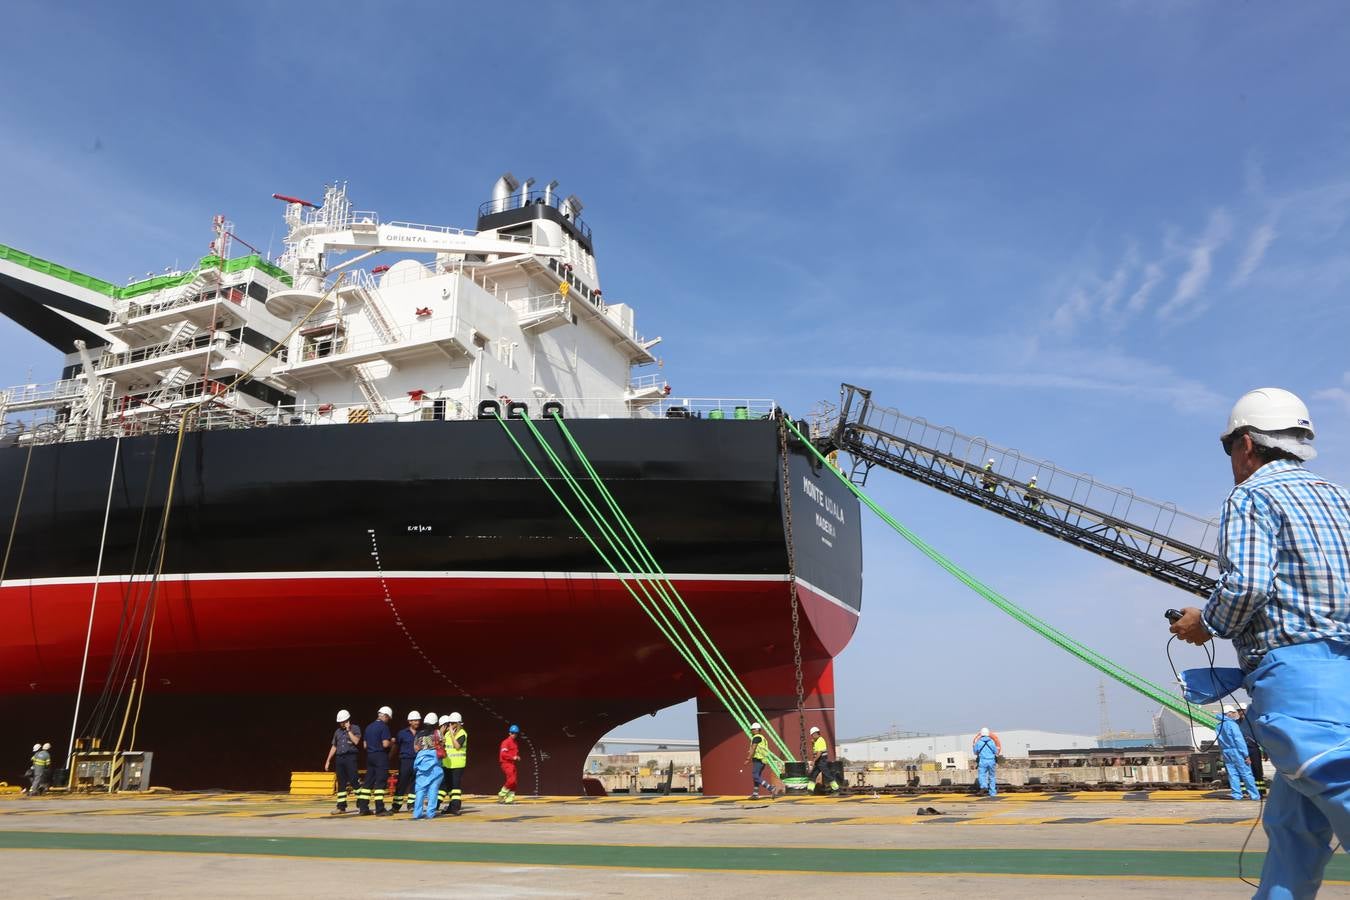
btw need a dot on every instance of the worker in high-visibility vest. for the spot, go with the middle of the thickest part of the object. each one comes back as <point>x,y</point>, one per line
<point>989,480</point>
<point>820,752</point>
<point>42,767</point>
<point>758,760</point>
<point>987,748</point>
<point>456,738</point>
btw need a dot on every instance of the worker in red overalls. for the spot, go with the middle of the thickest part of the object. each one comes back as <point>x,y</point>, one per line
<point>508,756</point>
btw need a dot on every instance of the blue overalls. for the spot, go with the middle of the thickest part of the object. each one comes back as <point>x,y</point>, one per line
<point>986,751</point>
<point>1234,747</point>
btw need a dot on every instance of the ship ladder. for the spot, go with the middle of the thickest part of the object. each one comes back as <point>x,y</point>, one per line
<point>630,559</point>
<point>1111,669</point>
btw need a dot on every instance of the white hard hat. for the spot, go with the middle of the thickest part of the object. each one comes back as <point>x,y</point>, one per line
<point>991,460</point>
<point>46,746</point>
<point>1269,409</point>
<point>37,747</point>
<point>414,715</point>
<point>343,715</point>
<point>455,718</point>
<point>430,719</point>
<point>815,730</point>
<point>386,711</point>
<point>754,726</point>
<point>984,732</point>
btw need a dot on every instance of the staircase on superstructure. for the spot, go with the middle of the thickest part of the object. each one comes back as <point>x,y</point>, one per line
<point>1154,538</point>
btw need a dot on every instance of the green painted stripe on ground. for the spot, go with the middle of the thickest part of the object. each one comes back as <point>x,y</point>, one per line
<point>1079,863</point>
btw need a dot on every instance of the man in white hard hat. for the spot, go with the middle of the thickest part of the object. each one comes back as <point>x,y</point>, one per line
<point>758,760</point>
<point>986,749</point>
<point>342,756</point>
<point>1283,598</point>
<point>820,753</point>
<point>456,759</point>
<point>989,480</point>
<point>42,767</point>
<point>377,741</point>
<point>403,742</point>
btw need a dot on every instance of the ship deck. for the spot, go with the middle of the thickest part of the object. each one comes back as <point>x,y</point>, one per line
<point>1020,845</point>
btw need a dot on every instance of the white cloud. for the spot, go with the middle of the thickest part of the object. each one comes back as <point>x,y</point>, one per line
<point>1257,245</point>
<point>1188,299</point>
<point>1153,274</point>
<point>1337,395</point>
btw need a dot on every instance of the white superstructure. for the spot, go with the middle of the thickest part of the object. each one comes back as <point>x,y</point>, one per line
<point>362,319</point>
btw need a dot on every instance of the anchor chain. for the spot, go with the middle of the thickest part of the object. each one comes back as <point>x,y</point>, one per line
<point>792,585</point>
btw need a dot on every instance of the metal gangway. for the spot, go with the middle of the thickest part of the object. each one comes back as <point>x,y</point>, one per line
<point>1148,536</point>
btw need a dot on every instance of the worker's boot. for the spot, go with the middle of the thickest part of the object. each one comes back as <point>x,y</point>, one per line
<point>834,787</point>
<point>510,797</point>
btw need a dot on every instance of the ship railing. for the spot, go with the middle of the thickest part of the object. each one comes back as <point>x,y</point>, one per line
<point>542,198</point>
<point>646,382</point>
<point>441,328</point>
<point>37,394</point>
<point>668,407</point>
<point>537,305</point>
<point>222,341</point>
<point>965,457</point>
<point>451,230</point>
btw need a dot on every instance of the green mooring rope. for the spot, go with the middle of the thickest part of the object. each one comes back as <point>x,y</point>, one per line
<point>719,679</point>
<point>1130,679</point>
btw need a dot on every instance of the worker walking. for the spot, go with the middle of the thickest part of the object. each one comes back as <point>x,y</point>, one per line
<point>1032,497</point>
<point>1281,598</point>
<point>1235,760</point>
<point>508,755</point>
<point>986,749</point>
<point>377,741</point>
<point>820,769</point>
<point>759,761</point>
<point>342,757</point>
<point>989,480</point>
<point>456,739</point>
<point>427,769</point>
<point>42,768</point>
<point>1253,748</point>
<point>403,741</point>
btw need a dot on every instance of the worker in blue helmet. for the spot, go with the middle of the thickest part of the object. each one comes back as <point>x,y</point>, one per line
<point>1234,748</point>
<point>508,755</point>
<point>1284,549</point>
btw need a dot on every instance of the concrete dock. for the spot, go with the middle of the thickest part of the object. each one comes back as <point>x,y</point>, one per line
<point>1131,844</point>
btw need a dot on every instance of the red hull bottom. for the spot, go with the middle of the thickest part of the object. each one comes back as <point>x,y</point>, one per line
<point>247,672</point>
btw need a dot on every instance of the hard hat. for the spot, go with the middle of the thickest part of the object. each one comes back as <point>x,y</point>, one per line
<point>414,716</point>
<point>1269,409</point>
<point>754,726</point>
<point>455,719</point>
<point>37,747</point>
<point>984,732</point>
<point>514,729</point>
<point>343,715</point>
<point>46,746</point>
<point>815,730</point>
<point>430,719</point>
<point>386,711</point>
<point>991,460</point>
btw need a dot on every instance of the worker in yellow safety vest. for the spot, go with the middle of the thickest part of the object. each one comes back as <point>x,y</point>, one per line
<point>759,761</point>
<point>456,758</point>
<point>820,752</point>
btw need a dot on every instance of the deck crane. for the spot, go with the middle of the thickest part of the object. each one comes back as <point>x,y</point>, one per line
<point>1150,537</point>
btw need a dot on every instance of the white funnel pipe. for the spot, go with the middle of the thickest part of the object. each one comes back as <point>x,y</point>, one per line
<point>502,191</point>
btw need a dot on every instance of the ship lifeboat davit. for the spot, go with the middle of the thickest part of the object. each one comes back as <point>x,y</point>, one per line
<point>294,302</point>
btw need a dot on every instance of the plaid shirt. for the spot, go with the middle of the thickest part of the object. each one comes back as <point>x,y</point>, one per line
<point>1284,546</point>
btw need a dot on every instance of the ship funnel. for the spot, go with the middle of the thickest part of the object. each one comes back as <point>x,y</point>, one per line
<point>525,191</point>
<point>548,192</point>
<point>571,207</point>
<point>502,191</point>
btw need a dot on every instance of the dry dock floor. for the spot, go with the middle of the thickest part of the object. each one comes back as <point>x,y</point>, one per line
<point>1015,846</point>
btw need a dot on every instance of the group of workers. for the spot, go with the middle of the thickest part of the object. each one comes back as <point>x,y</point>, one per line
<point>39,770</point>
<point>760,756</point>
<point>426,760</point>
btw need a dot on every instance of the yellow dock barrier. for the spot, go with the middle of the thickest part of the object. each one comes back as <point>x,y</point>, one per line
<point>313,784</point>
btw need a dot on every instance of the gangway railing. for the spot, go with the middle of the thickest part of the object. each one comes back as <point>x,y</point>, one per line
<point>1145,535</point>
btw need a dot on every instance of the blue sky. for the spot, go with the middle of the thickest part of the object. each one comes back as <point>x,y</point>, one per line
<point>1077,229</point>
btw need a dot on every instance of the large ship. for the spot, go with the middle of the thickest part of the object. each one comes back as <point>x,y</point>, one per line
<point>263,490</point>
